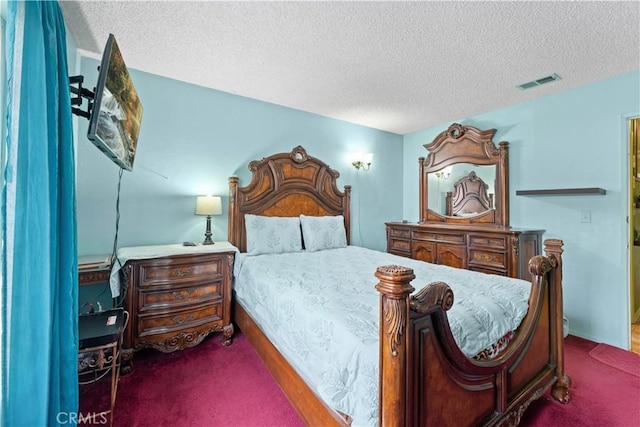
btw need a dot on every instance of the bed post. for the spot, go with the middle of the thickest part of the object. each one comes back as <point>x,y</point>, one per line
<point>560,389</point>
<point>424,187</point>
<point>394,288</point>
<point>234,228</point>
<point>346,214</point>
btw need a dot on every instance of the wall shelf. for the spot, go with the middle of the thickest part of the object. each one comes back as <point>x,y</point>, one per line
<point>592,191</point>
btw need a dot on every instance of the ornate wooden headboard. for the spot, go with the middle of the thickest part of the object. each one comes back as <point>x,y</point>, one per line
<point>469,197</point>
<point>286,184</point>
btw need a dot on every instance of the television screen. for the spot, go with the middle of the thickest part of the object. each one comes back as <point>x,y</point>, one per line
<point>117,112</point>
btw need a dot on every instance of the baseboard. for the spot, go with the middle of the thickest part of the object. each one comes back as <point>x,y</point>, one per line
<point>584,336</point>
<point>636,316</point>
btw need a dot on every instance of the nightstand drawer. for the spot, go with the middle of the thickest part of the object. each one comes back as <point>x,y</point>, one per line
<point>187,296</point>
<point>175,272</point>
<point>161,323</point>
<point>496,242</point>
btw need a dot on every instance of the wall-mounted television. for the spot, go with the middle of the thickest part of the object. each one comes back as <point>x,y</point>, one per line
<point>117,112</point>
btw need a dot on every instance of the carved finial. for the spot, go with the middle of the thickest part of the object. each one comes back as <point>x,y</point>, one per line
<point>298,154</point>
<point>395,281</point>
<point>394,270</point>
<point>540,265</point>
<point>253,165</point>
<point>553,246</point>
<point>456,131</point>
<point>434,294</point>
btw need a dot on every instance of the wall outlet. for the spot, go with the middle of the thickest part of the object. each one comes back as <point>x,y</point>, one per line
<point>585,216</point>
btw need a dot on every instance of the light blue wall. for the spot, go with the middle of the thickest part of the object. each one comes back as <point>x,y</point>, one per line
<point>577,138</point>
<point>192,139</point>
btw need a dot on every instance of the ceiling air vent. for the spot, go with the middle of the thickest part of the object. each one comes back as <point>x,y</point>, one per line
<point>538,82</point>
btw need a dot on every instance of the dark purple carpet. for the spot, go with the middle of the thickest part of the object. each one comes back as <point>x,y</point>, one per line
<point>211,385</point>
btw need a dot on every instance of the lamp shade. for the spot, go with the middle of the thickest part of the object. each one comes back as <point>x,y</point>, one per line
<point>208,205</point>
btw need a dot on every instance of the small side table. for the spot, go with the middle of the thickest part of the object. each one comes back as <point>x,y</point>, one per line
<point>100,349</point>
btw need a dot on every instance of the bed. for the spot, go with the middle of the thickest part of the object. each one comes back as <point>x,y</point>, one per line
<point>423,376</point>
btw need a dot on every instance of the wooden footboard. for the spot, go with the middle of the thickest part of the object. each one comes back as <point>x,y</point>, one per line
<point>425,380</point>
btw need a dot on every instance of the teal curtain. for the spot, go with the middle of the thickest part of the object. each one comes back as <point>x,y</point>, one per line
<point>39,258</point>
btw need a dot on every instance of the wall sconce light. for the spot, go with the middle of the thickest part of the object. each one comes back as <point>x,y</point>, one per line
<point>208,205</point>
<point>362,161</point>
<point>444,173</point>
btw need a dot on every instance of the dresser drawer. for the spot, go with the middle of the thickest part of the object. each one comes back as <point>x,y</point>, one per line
<point>174,272</point>
<point>491,259</point>
<point>399,245</point>
<point>150,299</point>
<point>399,232</point>
<point>151,324</point>
<point>493,241</point>
<point>438,237</point>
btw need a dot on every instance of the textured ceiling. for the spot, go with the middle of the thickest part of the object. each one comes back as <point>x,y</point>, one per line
<point>395,66</point>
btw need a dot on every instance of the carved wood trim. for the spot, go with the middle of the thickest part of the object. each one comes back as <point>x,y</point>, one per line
<point>513,417</point>
<point>180,341</point>
<point>395,319</point>
<point>515,245</point>
<point>466,144</point>
<point>286,184</point>
<point>93,277</point>
<point>437,294</point>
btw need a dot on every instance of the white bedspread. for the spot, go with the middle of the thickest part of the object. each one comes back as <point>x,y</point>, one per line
<point>320,309</point>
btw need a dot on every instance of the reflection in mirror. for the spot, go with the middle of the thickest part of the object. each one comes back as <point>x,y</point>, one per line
<point>441,182</point>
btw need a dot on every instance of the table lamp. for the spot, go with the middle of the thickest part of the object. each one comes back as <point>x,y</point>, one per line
<point>208,205</point>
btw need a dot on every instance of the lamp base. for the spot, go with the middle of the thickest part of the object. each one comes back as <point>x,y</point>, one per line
<point>208,234</point>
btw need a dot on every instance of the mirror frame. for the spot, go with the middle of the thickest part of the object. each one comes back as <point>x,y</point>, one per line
<point>466,144</point>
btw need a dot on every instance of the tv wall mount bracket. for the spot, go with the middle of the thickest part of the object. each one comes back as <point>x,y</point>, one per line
<point>81,93</point>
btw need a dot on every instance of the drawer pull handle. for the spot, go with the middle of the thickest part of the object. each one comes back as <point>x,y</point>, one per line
<point>184,271</point>
<point>487,257</point>
<point>183,294</point>
<point>180,321</point>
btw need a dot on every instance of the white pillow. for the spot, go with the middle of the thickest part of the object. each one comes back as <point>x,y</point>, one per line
<point>272,234</point>
<point>323,232</point>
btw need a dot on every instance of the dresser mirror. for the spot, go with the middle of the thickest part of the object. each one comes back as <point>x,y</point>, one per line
<point>464,178</point>
<point>443,189</point>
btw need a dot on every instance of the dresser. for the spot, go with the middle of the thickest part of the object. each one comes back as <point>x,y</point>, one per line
<point>464,208</point>
<point>490,249</point>
<point>177,296</point>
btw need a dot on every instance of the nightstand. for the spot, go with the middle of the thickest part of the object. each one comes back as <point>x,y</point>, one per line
<point>176,295</point>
